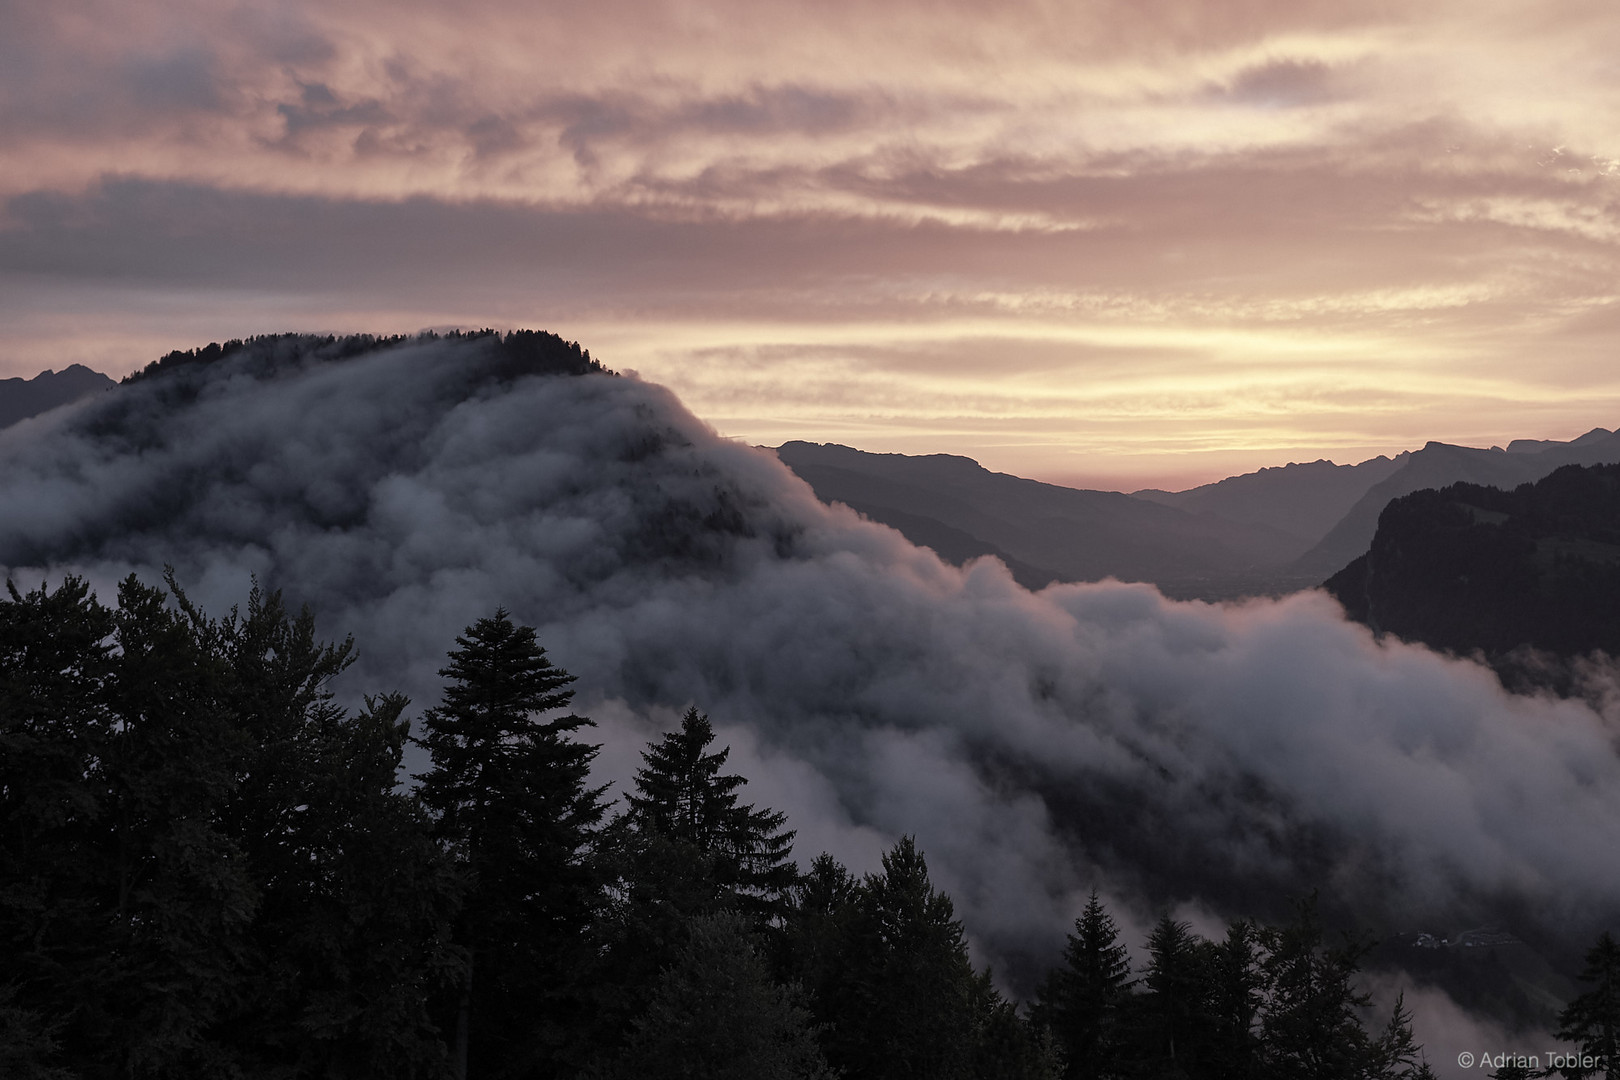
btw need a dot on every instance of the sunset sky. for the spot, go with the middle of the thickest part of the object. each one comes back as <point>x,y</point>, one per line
<point>1116,242</point>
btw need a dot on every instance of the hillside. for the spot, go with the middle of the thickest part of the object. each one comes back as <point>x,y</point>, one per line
<point>1468,567</point>
<point>1302,500</point>
<point>1037,745</point>
<point>1440,464</point>
<point>22,398</point>
<point>1045,532</point>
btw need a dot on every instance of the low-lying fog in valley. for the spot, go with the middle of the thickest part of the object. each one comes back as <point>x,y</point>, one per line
<point>1212,759</point>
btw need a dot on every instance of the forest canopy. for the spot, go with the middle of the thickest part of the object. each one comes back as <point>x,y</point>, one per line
<point>210,868</point>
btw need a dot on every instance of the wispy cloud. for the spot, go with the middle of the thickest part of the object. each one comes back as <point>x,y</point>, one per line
<point>1431,185</point>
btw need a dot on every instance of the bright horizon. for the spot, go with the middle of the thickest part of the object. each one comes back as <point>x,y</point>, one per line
<point>1119,245</point>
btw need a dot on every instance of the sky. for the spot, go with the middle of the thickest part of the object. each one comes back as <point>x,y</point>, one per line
<point>1120,242</point>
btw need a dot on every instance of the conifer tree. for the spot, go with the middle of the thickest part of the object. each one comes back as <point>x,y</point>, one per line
<point>511,794</point>
<point>1175,1021</point>
<point>235,885</point>
<point>683,799</point>
<point>908,1002</point>
<point>1310,1022</point>
<point>1592,1020</point>
<point>1395,1054</point>
<point>716,1014</point>
<point>1082,1000</point>
<point>1237,987</point>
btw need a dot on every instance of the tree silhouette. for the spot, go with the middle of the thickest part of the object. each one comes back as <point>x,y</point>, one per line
<point>1082,999</point>
<point>1592,1020</point>
<point>681,797</point>
<point>511,794</point>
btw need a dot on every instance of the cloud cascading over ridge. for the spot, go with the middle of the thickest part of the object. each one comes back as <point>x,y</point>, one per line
<point>1049,235</point>
<point>1218,758</point>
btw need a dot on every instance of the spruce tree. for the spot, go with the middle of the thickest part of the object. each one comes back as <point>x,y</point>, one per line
<point>1310,1022</point>
<point>1592,1020</point>
<point>510,791</point>
<point>1082,1000</point>
<point>1237,990</point>
<point>907,1002</point>
<point>1175,1010</point>
<point>232,883</point>
<point>1395,1053</point>
<point>683,799</point>
<point>715,1013</point>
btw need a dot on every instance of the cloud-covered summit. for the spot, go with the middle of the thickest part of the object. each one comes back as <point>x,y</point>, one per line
<point>1218,758</point>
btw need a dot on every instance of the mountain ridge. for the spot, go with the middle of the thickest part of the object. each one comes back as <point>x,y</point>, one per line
<point>22,398</point>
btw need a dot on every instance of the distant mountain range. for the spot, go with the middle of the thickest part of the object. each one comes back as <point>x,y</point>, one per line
<point>1272,531</point>
<point>1275,530</point>
<point>1439,464</point>
<point>22,398</point>
<point>1045,532</point>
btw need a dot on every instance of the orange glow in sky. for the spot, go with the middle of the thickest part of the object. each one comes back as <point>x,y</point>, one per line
<point>1124,242</point>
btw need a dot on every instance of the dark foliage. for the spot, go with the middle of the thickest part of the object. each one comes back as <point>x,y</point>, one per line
<point>205,866</point>
<point>886,962</point>
<point>1083,999</point>
<point>1468,568</point>
<point>1592,1020</point>
<point>517,353</point>
<point>716,1013</point>
<point>684,803</point>
<point>208,869</point>
<point>512,802</point>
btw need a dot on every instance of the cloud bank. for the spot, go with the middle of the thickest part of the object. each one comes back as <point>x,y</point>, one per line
<point>1174,754</point>
<point>1174,235</point>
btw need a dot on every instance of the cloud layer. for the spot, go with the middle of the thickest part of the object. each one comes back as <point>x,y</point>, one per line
<point>1216,758</point>
<point>1166,235</point>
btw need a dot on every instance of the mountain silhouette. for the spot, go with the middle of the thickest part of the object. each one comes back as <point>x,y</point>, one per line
<point>22,398</point>
<point>1304,500</point>
<point>1467,567</point>
<point>1440,464</point>
<point>1045,532</point>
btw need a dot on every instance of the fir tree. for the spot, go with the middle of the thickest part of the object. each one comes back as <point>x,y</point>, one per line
<point>511,794</point>
<point>1174,1011</point>
<point>1237,987</point>
<point>908,1003</point>
<point>716,1014</point>
<point>1310,1022</point>
<point>235,886</point>
<point>1081,1001</point>
<point>684,799</point>
<point>1592,1020</point>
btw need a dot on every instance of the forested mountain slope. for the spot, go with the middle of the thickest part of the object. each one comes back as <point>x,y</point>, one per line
<point>1440,464</point>
<point>1467,567</point>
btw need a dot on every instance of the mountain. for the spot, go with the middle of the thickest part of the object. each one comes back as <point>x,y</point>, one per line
<point>1042,531</point>
<point>1302,500</point>
<point>1037,745</point>
<point>1468,567</point>
<point>22,398</point>
<point>1440,464</point>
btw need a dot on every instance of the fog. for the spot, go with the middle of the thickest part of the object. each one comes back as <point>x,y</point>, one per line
<point>1214,760</point>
